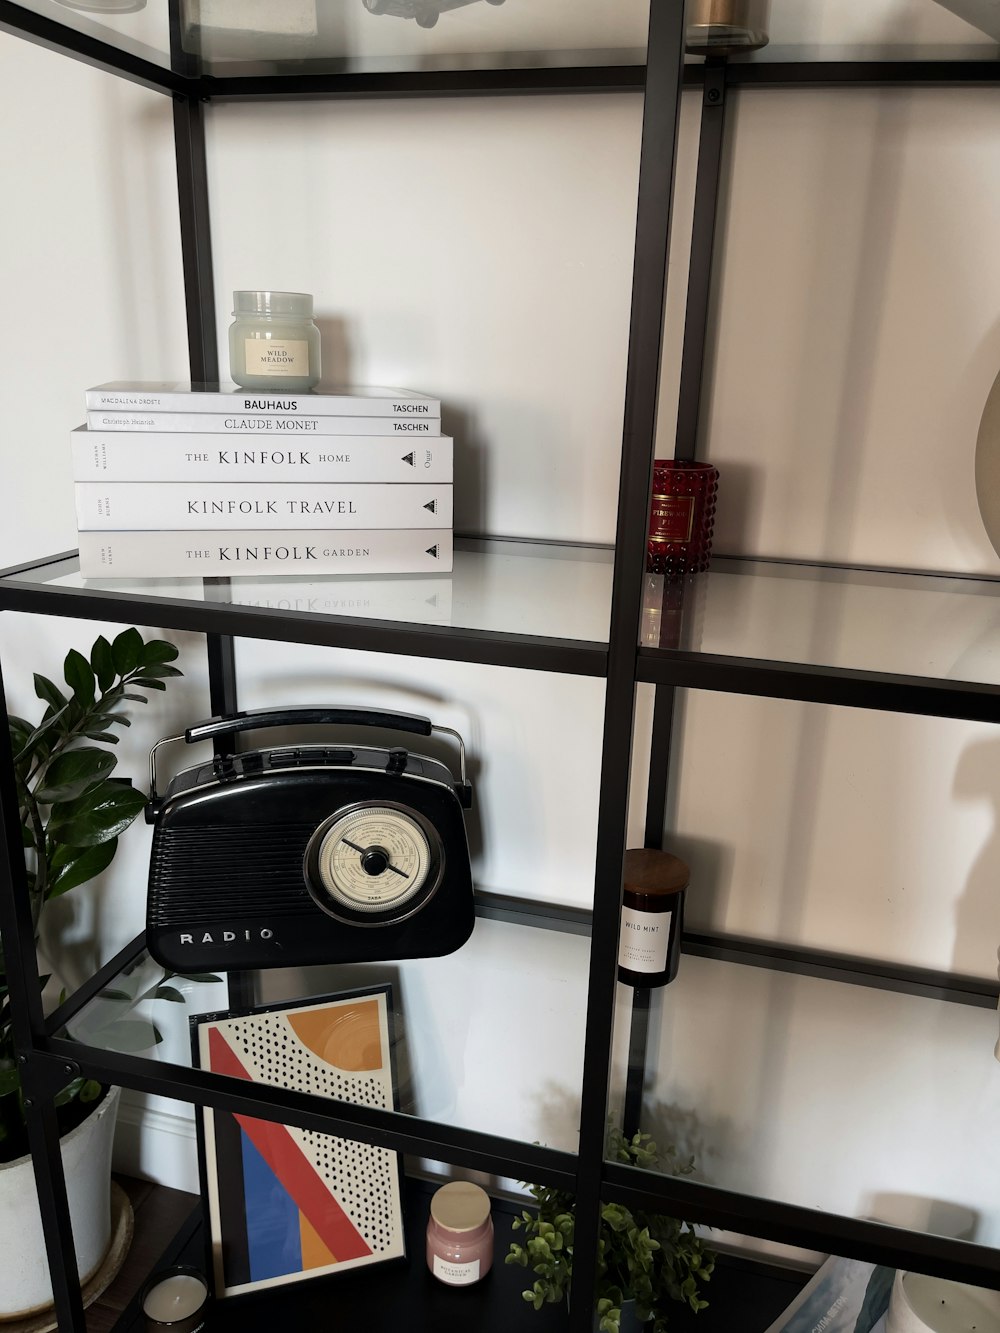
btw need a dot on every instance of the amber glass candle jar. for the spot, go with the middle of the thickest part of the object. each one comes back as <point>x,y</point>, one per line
<point>681,517</point>
<point>726,27</point>
<point>649,944</point>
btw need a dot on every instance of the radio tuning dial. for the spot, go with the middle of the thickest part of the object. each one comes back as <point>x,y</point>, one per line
<point>372,859</point>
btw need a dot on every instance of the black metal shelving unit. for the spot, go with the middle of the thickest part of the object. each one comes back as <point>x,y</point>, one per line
<point>48,587</point>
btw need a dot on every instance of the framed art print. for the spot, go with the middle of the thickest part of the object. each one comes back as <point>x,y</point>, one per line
<point>284,1204</point>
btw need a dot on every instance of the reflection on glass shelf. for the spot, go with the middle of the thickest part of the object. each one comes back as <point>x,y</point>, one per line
<point>929,625</point>
<point>506,587</point>
<point>254,37</point>
<point>462,1026</point>
<point>224,37</point>
<point>867,1104</point>
<point>860,30</point>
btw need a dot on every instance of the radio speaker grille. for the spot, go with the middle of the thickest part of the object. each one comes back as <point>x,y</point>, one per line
<point>217,872</point>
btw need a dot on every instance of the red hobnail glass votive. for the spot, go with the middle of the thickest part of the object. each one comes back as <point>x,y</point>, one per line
<point>681,517</point>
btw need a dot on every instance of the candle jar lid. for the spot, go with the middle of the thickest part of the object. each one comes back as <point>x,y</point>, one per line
<point>460,1206</point>
<point>652,876</point>
<point>299,304</point>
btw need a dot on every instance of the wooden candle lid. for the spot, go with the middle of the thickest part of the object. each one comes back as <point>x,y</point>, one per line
<point>652,875</point>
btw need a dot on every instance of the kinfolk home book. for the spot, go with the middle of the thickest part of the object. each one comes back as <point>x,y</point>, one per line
<point>843,1296</point>
<point>108,456</point>
<point>161,424</point>
<point>360,401</point>
<point>153,555</point>
<point>134,506</point>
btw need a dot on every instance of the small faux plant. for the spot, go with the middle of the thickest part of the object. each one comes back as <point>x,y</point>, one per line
<point>72,812</point>
<point>644,1257</point>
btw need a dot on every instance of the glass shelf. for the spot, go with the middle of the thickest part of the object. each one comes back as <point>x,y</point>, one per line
<point>223,39</point>
<point>530,604</point>
<point>874,624</point>
<point>444,1020</point>
<point>823,1096</point>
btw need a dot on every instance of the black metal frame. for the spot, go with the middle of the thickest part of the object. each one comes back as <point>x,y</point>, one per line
<point>48,1060</point>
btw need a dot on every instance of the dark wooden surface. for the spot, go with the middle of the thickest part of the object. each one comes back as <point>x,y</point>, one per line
<point>159,1214</point>
<point>744,1296</point>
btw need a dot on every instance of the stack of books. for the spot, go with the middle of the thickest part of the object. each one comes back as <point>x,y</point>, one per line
<point>193,480</point>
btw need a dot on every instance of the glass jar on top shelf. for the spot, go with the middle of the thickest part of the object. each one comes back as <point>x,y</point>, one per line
<point>273,343</point>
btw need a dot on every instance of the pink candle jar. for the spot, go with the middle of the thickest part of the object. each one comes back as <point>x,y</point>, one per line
<point>460,1234</point>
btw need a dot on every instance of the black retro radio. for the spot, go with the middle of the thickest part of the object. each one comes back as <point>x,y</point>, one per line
<point>308,853</point>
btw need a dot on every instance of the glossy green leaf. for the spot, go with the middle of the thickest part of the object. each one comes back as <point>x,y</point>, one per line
<point>102,663</point>
<point>49,692</point>
<point>10,1081</point>
<point>197,976</point>
<point>79,676</point>
<point>125,651</point>
<point>159,671</point>
<point>157,650</point>
<point>168,993</point>
<point>100,814</point>
<point>71,774</point>
<point>108,737</point>
<point>150,684</point>
<point>119,996</point>
<point>79,869</point>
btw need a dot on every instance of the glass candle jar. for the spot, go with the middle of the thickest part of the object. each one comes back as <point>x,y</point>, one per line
<point>649,944</point>
<point>460,1234</point>
<point>175,1301</point>
<point>681,517</point>
<point>273,342</point>
<point>726,27</point>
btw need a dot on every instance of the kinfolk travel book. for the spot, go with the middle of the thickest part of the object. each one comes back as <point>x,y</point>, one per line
<point>249,423</point>
<point>109,456</point>
<point>349,401</point>
<point>131,506</point>
<point>153,555</point>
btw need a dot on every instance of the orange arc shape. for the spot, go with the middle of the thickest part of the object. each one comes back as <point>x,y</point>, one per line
<point>347,1037</point>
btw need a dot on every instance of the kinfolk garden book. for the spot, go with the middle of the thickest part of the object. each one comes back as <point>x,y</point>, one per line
<point>109,456</point>
<point>165,555</point>
<point>349,401</point>
<point>137,506</point>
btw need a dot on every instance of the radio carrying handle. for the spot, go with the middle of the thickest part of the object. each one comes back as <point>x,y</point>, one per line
<point>257,719</point>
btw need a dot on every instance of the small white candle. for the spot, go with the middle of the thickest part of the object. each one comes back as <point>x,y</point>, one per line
<point>175,1298</point>
<point>922,1304</point>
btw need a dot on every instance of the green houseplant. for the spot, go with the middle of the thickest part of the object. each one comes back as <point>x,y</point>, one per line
<point>645,1257</point>
<point>72,813</point>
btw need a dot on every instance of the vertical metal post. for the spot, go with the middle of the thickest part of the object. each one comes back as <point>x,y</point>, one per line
<point>700,271</point>
<point>196,237</point>
<point>203,354</point>
<point>661,108</point>
<point>17,930</point>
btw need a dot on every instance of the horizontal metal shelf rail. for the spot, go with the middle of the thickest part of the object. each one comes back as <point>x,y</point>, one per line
<point>924,982</point>
<point>845,686</point>
<point>791,1224</point>
<point>323,1115</point>
<point>571,657</point>
<point>25,23</point>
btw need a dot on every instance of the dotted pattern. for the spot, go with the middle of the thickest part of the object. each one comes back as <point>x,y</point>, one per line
<point>362,1178</point>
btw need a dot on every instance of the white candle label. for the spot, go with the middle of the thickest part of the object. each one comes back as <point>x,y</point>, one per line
<point>276,356</point>
<point>642,944</point>
<point>456,1275</point>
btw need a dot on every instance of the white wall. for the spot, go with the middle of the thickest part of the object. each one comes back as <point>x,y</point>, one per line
<point>486,256</point>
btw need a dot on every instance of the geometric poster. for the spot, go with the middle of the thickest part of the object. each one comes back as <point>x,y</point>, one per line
<point>286,1204</point>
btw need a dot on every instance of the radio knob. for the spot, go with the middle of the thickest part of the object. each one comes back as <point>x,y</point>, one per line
<point>374,861</point>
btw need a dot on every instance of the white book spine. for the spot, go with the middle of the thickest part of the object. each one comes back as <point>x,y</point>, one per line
<point>244,425</point>
<point>242,554</point>
<point>143,401</point>
<point>134,506</point>
<point>109,456</point>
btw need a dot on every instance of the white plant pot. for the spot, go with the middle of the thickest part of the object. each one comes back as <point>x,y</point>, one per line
<point>25,1286</point>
